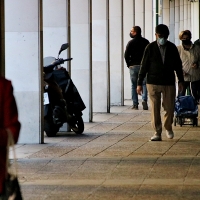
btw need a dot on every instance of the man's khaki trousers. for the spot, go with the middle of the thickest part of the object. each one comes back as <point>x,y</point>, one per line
<point>167,94</point>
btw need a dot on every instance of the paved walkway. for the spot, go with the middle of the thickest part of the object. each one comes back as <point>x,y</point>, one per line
<point>113,159</point>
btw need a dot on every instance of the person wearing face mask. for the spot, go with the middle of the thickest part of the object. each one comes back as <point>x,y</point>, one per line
<point>160,62</point>
<point>190,56</point>
<point>133,56</point>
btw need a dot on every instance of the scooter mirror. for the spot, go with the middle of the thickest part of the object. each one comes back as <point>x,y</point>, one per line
<point>63,47</point>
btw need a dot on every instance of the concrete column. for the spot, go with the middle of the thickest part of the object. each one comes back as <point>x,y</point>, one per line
<point>177,22</point>
<point>116,53</point>
<point>185,14</point>
<point>172,21</point>
<point>23,50</point>
<point>181,16</point>
<point>149,30</point>
<point>139,14</point>
<point>99,55</point>
<point>81,51</point>
<point>166,13</point>
<point>2,39</point>
<point>155,15</point>
<point>128,21</point>
<point>189,15</point>
<point>55,27</point>
<point>55,32</point>
<point>195,20</point>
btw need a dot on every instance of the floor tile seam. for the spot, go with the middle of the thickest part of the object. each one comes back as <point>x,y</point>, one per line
<point>143,180</point>
<point>106,158</point>
<point>141,144</point>
<point>78,167</point>
<point>81,145</point>
<point>117,141</point>
<point>189,169</point>
<point>173,144</point>
<point>112,182</point>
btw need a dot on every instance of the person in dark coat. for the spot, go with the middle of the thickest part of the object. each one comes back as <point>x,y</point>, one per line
<point>160,62</point>
<point>133,56</point>
<point>9,124</point>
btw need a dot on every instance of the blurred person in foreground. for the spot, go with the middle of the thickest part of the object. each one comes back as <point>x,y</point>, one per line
<point>160,62</point>
<point>9,124</point>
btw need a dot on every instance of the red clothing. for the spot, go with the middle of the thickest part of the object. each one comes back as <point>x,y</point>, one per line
<point>8,120</point>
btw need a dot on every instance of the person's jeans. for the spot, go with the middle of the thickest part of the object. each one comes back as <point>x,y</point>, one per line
<point>134,70</point>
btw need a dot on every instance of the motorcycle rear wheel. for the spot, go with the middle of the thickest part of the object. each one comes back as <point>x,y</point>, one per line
<point>78,126</point>
<point>50,128</point>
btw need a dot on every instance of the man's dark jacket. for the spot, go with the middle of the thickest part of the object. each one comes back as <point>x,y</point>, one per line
<point>157,72</point>
<point>134,50</point>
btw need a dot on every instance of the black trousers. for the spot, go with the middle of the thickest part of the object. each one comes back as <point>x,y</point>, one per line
<point>194,89</point>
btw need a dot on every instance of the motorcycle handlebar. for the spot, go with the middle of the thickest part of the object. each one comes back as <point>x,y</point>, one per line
<point>49,68</point>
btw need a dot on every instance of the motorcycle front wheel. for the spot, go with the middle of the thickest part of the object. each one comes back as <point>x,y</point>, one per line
<point>78,125</point>
<point>50,128</point>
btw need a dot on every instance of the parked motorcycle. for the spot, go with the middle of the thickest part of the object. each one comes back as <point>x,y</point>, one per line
<point>62,101</point>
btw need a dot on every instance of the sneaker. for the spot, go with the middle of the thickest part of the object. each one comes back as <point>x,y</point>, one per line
<point>135,107</point>
<point>169,134</point>
<point>145,106</point>
<point>156,138</point>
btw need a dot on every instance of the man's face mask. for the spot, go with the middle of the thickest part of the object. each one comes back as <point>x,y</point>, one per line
<point>132,36</point>
<point>186,42</point>
<point>161,41</point>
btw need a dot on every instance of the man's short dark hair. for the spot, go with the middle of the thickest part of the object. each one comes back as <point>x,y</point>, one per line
<point>137,29</point>
<point>162,29</point>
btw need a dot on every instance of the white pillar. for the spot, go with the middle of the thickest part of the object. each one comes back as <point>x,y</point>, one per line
<point>99,55</point>
<point>55,31</point>
<point>80,50</point>
<point>195,20</point>
<point>189,15</point>
<point>181,16</point>
<point>155,15</point>
<point>54,27</point>
<point>128,21</point>
<point>185,14</point>
<point>149,30</point>
<point>139,14</point>
<point>23,64</point>
<point>177,22</point>
<point>172,22</point>
<point>165,11</point>
<point>115,29</point>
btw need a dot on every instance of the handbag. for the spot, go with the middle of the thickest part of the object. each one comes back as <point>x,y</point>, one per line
<point>12,189</point>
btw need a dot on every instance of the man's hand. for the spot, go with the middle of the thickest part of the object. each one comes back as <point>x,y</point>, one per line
<point>194,65</point>
<point>139,89</point>
<point>180,86</point>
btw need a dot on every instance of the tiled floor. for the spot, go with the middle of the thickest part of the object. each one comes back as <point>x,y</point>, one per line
<point>113,159</point>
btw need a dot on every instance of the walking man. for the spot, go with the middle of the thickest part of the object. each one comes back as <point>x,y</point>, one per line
<point>133,56</point>
<point>161,59</point>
